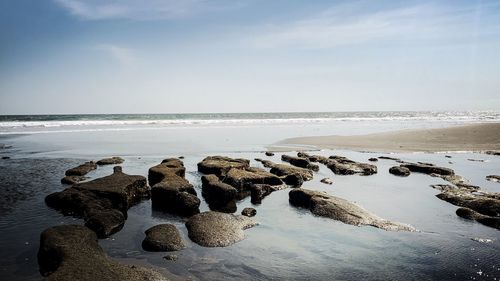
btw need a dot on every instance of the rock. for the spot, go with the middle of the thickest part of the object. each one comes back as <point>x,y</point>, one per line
<point>469,214</point>
<point>269,153</point>
<point>259,191</point>
<point>72,179</point>
<point>168,166</point>
<point>301,162</point>
<point>103,202</point>
<point>389,158</point>
<point>447,156</point>
<point>312,158</point>
<point>285,170</point>
<point>219,196</point>
<point>493,178</point>
<point>110,161</point>
<point>171,192</point>
<point>487,204</point>
<point>373,159</point>
<point>239,177</point>
<point>344,166</point>
<point>71,252</point>
<point>476,160</point>
<point>427,168</point>
<point>163,238</point>
<point>454,179</point>
<point>249,212</point>
<point>294,180</point>
<point>5,157</point>
<point>493,152</point>
<point>399,171</point>
<point>214,229</point>
<point>171,257</point>
<point>127,189</point>
<point>220,165</point>
<point>327,181</point>
<point>336,208</point>
<point>82,170</point>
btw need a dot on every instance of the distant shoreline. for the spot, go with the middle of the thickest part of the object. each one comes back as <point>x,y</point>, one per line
<point>475,137</point>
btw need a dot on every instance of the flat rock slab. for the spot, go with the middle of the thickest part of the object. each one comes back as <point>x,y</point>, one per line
<point>240,177</point>
<point>324,205</point>
<point>285,170</point>
<point>71,252</point>
<point>487,204</point>
<point>168,166</point>
<point>341,165</point>
<point>72,179</point>
<point>163,238</point>
<point>82,170</point>
<point>428,168</point>
<point>301,162</point>
<point>220,165</point>
<point>470,214</point>
<point>128,189</point>
<point>111,161</point>
<point>214,229</point>
<point>400,171</point>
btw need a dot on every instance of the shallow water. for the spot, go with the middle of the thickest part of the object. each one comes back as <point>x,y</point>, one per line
<point>288,243</point>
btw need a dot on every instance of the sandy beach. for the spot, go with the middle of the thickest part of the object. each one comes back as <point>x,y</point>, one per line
<point>475,137</point>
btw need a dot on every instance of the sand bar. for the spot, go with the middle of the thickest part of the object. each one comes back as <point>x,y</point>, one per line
<point>475,137</point>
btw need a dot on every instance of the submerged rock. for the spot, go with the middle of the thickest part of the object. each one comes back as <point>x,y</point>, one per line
<point>110,161</point>
<point>214,229</point>
<point>399,171</point>
<point>285,170</point>
<point>72,179</point>
<point>163,238</point>
<point>327,181</point>
<point>249,212</point>
<point>82,170</point>
<point>389,158</point>
<point>301,162</point>
<point>324,205</point>
<point>493,178</point>
<point>220,165</point>
<point>428,168</point>
<point>71,252</point>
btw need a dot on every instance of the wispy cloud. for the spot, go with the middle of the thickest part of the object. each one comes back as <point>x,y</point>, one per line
<point>349,24</point>
<point>134,9</point>
<point>122,55</point>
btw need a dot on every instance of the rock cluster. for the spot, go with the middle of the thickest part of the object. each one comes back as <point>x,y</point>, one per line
<point>302,162</point>
<point>341,165</point>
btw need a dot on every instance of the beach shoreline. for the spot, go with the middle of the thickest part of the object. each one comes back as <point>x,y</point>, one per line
<point>470,138</point>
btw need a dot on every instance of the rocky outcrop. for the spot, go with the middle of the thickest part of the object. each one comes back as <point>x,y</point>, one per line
<point>214,229</point>
<point>341,165</point>
<point>301,162</point>
<point>336,208</point>
<point>470,214</point>
<point>494,178</point>
<point>487,204</point>
<point>428,168</point>
<point>220,165</point>
<point>219,196</point>
<point>241,177</point>
<point>82,170</point>
<point>163,238</point>
<point>103,202</point>
<point>260,191</point>
<point>399,171</point>
<point>71,252</point>
<point>72,179</point>
<point>249,212</point>
<point>269,153</point>
<point>171,192</point>
<point>110,161</point>
<point>285,170</point>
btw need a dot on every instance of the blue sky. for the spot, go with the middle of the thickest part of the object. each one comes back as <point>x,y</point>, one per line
<point>166,56</point>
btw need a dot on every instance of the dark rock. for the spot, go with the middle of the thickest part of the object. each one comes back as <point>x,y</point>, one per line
<point>214,229</point>
<point>447,156</point>
<point>168,166</point>
<point>301,162</point>
<point>389,158</point>
<point>239,177</point>
<point>427,168</point>
<point>269,153</point>
<point>324,205</point>
<point>469,214</point>
<point>294,180</point>
<point>343,166</point>
<point>163,238</point>
<point>170,257</point>
<point>249,212</point>
<point>72,179</point>
<point>104,222</point>
<point>312,158</point>
<point>493,152</point>
<point>110,161</point>
<point>373,159</point>
<point>484,203</point>
<point>327,181</point>
<point>82,170</point>
<point>259,191</point>
<point>399,171</point>
<point>220,165</point>
<point>285,170</point>
<point>5,157</point>
<point>219,196</point>
<point>71,252</point>
<point>493,178</point>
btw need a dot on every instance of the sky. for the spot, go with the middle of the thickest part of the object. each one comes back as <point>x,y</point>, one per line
<point>175,56</point>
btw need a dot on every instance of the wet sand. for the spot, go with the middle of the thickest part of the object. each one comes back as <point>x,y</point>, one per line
<point>476,137</point>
